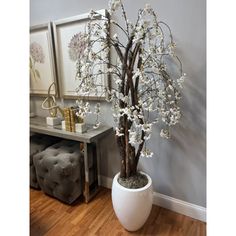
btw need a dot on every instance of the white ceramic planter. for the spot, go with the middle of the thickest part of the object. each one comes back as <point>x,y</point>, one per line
<point>132,206</point>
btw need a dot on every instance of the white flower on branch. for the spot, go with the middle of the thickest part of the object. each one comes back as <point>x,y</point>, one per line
<point>147,8</point>
<point>127,111</point>
<point>165,133</point>
<point>118,132</point>
<point>130,25</point>
<point>126,99</point>
<point>115,36</point>
<point>139,33</point>
<point>118,81</point>
<point>135,137</point>
<point>116,111</point>
<point>181,80</point>
<point>82,109</point>
<point>175,115</point>
<point>92,56</point>
<point>147,128</point>
<point>146,153</point>
<point>113,5</point>
<point>171,47</point>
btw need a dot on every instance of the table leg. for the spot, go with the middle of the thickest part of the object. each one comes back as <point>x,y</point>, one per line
<point>86,172</point>
<point>91,189</point>
<point>98,155</point>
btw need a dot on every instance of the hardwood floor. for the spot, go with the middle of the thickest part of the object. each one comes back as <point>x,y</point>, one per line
<point>50,217</point>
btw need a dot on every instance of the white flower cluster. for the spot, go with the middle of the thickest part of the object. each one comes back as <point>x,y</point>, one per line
<point>113,5</point>
<point>165,133</point>
<point>135,137</point>
<point>141,29</point>
<point>119,132</point>
<point>146,153</point>
<point>82,108</point>
<point>181,80</point>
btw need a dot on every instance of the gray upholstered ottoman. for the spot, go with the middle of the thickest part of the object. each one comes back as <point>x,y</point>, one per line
<point>37,144</point>
<point>59,170</point>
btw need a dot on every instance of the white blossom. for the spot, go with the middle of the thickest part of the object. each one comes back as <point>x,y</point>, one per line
<point>115,36</point>
<point>135,138</point>
<point>165,133</point>
<point>118,132</point>
<point>113,5</point>
<point>146,153</point>
<point>82,109</point>
<point>147,8</point>
<point>171,47</point>
<point>118,81</point>
<point>181,80</point>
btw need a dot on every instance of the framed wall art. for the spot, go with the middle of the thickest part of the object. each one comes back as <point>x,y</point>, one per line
<point>67,33</point>
<point>42,63</point>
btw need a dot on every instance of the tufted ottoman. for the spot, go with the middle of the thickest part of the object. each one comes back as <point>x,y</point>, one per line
<point>59,170</point>
<point>37,144</point>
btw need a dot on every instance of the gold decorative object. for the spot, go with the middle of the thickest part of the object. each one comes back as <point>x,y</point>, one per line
<point>52,104</point>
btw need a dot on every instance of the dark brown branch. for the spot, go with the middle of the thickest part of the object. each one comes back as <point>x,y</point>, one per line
<point>135,53</point>
<point>140,145</point>
<point>124,64</point>
<point>119,52</point>
<point>121,28</point>
<point>121,144</point>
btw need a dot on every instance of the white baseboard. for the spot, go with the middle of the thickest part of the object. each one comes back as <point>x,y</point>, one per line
<point>173,204</point>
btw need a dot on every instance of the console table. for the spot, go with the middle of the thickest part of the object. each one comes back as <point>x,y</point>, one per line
<point>90,141</point>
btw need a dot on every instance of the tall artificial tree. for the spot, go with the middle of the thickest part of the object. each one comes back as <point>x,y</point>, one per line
<point>146,78</point>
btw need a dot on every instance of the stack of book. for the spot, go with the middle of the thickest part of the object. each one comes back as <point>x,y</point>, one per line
<point>70,118</point>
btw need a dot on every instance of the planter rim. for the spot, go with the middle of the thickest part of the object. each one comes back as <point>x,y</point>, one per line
<point>136,189</point>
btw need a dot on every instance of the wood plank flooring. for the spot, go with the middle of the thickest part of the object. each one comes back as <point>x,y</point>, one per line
<point>50,217</point>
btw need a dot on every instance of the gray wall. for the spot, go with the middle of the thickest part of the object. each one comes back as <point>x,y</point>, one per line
<point>178,168</point>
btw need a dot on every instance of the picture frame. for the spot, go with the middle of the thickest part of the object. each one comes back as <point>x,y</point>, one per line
<point>42,60</point>
<point>63,32</point>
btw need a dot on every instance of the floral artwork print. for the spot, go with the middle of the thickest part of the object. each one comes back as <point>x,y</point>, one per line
<point>77,46</point>
<point>36,56</point>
